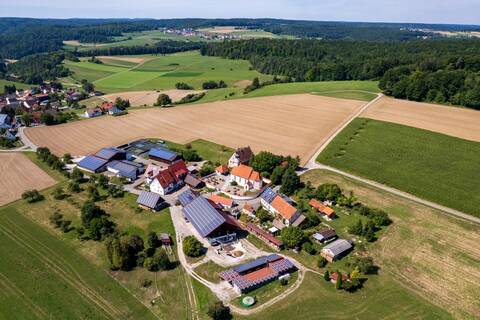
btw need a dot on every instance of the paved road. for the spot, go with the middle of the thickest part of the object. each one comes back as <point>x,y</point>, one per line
<point>25,140</point>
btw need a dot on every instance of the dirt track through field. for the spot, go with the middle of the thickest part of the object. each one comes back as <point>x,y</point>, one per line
<point>18,174</point>
<point>457,122</point>
<point>288,125</point>
<point>140,98</point>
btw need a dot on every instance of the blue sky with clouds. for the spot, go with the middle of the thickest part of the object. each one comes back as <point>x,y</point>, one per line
<point>430,11</point>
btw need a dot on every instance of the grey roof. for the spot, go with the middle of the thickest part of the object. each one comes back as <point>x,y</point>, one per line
<point>193,181</point>
<point>92,163</point>
<point>124,169</point>
<point>204,217</point>
<point>186,197</point>
<point>268,195</point>
<point>327,233</point>
<point>149,199</point>
<point>299,220</point>
<point>256,263</point>
<point>163,153</point>
<point>339,246</point>
<point>109,153</point>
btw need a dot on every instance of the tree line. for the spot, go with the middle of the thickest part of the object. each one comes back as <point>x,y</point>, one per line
<point>445,71</point>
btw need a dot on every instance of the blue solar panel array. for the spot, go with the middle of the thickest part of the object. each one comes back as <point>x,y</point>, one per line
<point>109,153</point>
<point>162,153</point>
<point>186,197</point>
<point>256,263</point>
<point>124,169</point>
<point>92,163</point>
<point>149,199</point>
<point>268,195</point>
<point>203,216</point>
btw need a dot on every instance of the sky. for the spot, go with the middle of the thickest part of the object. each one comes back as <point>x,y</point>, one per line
<point>427,11</point>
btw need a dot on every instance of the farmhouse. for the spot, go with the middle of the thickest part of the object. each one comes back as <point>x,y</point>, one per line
<point>93,112</point>
<point>325,235</point>
<point>248,210</point>
<point>336,250</point>
<point>327,212</point>
<point>93,164</point>
<point>222,170</point>
<point>126,169</point>
<point>150,201</point>
<point>252,275</point>
<point>280,206</point>
<point>151,172</point>
<point>208,221</point>
<point>165,182</point>
<point>240,156</point>
<point>111,154</point>
<point>163,155</point>
<point>246,177</point>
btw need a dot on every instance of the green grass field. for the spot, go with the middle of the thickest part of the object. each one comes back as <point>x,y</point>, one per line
<point>430,165</point>
<point>18,85</point>
<point>162,72</point>
<point>43,277</point>
<point>381,298</point>
<point>210,151</point>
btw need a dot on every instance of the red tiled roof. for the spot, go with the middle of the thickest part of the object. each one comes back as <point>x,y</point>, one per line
<point>284,208</point>
<point>222,169</point>
<point>322,208</point>
<point>264,234</point>
<point>245,172</point>
<point>179,169</point>
<point>165,178</point>
<point>259,274</point>
<point>221,200</point>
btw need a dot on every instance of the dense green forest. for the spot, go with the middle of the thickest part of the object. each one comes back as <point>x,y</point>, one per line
<point>20,37</point>
<point>443,71</point>
<point>161,47</point>
<point>36,69</point>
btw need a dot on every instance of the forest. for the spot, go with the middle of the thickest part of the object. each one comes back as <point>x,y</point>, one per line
<point>20,37</point>
<point>442,71</point>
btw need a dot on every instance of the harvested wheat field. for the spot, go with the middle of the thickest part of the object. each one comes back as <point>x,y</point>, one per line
<point>140,98</point>
<point>457,122</point>
<point>288,125</point>
<point>18,174</point>
<point>127,59</point>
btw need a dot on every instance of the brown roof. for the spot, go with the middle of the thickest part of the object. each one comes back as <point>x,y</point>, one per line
<point>244,154</point>
<point>165,178</point>
<point>284,208</point>
<point>248,207</point>
<point>322,208</point>
<point>192,180</point>
<point>246,172</point>
<point>259,274</point>
<point>327,233</point>
<point>264,234</point>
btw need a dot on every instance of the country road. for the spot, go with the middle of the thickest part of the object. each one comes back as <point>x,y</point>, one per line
<point>312,165</point>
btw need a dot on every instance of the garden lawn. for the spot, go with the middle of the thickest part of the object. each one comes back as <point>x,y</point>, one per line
<point>433,166</point>
<point>209,151</point>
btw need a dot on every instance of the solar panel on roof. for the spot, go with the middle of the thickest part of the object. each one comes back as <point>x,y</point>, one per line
<point>203,216</point>
<point>148,199</point>
<point>92,163</point>
<point>108,153</point>
<point>186,197</point>
<point>124,169</point>
<point>268,195</point>
<point>162,153</point>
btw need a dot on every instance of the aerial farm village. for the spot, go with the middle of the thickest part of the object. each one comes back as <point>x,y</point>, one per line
<point>238,169</point>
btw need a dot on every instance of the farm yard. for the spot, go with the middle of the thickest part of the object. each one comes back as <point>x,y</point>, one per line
<point>19,174</point>
<point>427,252</point>
<point>456,122</point>
<point>433,166</point>
<point>288,125</point>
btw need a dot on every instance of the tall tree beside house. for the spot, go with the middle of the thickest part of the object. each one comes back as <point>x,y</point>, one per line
<point>121,103</point>
<point>326,275</point>
<point>87,86</point>
<point>292,236</point>
<point>339,283</point>
<point>290,182</point>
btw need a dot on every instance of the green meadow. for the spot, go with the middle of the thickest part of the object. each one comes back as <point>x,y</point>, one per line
<point>430,165</point>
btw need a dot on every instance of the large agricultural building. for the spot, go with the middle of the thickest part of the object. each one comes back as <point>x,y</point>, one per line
<point>257,273</point>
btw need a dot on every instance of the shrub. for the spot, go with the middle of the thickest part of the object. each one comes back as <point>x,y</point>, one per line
<point>218,311</point>
<point>32,196</point>
<point>192,247</point>
<point>158,262</point>
<point>192,97</point>
<point>322,262</point>
<point>283,281</point>
<point>183,86</point>
<point>58,193</point>
<point>309,248</point>
<point>292,236</point>
<point>163,100</point>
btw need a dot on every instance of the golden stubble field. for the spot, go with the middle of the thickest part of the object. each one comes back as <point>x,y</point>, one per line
<point>457,122</point>
<point>18,174</point>
<point>426,251</point>
<point>149,98</point>
<point>287,125</point>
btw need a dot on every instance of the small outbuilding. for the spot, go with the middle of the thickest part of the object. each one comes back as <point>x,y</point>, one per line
<point>336,250</point>
<point>325,235</point>
<point>193,182</point>
<point>150,201</point>
<point>165,239</point>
